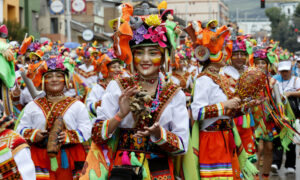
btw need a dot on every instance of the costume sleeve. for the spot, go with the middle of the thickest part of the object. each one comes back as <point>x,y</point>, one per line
<point>25,126</point>
<point>25,164</point>
<point>200,107</point>
<point>94,97</point>
<point>175,135</point>
<point>84,125</point>
<point>109,107</point>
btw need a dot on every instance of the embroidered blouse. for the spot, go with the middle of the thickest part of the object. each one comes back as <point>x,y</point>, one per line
<point>207,103</point>
<point>93,97</point>
<point>76,120</point>
<point>174,120</point>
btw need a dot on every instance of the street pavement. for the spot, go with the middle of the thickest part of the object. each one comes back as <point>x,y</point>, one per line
<point>283,176</point>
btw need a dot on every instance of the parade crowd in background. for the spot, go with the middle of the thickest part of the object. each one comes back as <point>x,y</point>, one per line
<point>161,101</point>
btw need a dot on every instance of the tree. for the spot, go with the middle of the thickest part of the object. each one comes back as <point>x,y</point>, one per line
<point>282,31</point>
<point>15,31</point>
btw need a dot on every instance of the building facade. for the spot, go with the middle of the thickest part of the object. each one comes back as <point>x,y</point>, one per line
<point>202,10</point>
<point>9,10</point>
<point>29,16</point>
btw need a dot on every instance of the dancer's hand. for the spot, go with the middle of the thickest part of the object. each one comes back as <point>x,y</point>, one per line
<point>40,135</point>
<point>153,130</point>
<point>124,101</point>
<point>61,137</point>
<point>233,103</point>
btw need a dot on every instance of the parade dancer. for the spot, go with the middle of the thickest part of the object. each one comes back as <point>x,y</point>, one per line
<point>15,159</point>
<point>86,71</point>
<point>110,68</point>
<point>145,118</point>
<point>265,130</point>
<point>232,73</point>
<point>55,125</point>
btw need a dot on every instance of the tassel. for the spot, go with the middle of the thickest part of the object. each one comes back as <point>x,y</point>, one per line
<point>240,121</point>
<point>54,165</point>
<point>244,121</point>
<point>252,123</point>
<point>125,158</point>
<point>135,162</point>
<point>146,171</point>
<point>64,159</point>
<point>252,158</point>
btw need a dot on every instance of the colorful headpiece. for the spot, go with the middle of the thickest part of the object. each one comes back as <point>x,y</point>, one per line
<point>143,30</point>
<point>3,31</point>
<point>38,70</point>
<point>261,54</point>
<point>239,46</point>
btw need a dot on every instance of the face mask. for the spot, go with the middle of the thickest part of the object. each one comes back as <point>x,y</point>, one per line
<point>214,29</point>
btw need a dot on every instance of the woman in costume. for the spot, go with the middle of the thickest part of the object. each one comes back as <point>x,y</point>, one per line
<point>265,130</point>
<point>110,68</point>
<point>140,116</point>
<point>15,159</point>
<point>212,99</point>
<point>55,125</point>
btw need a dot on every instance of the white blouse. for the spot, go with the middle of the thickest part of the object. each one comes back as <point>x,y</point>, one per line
<point>207,92</point>
<point>174,118</point>
<point>75,118</point>
<point>90,80</point>
<point>94,96</point>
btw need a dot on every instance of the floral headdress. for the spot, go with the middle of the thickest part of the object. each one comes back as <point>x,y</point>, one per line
<point>52,63</point>
<point>144,29</point>
<point>239,46</point>
<point>260,54</point>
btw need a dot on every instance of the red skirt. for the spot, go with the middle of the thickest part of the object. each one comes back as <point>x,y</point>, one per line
<point>215,156</point>
<point>75,154</point>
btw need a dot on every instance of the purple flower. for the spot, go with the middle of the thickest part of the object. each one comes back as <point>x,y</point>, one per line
<point>261,54</point>
<point>51,63</point>
<point>138,35</point>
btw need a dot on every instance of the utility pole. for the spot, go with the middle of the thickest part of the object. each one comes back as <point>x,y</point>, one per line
<point>68,18</point>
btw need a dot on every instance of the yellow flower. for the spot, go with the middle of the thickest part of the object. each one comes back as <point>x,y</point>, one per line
<point>153,20</point>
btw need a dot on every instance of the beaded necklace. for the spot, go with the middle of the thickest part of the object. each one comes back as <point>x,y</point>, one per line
<point>155,103</point>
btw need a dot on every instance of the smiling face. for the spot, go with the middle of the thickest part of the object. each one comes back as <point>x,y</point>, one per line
<point>114,69</point>
<point>238,60</point>
<point>54,82</point>
<point>147,60</point>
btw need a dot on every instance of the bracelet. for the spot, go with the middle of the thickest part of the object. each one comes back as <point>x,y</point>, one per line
<point>117,117</point>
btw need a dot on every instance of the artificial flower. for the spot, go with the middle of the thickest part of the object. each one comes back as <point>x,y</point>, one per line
<point>153,20</point>
<point>157,35</point>
<point>138,35</point>
<point>51,63</point>
<point>260,54</point>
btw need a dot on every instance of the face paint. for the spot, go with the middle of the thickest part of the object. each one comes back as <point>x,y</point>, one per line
<point>54,82</point>
<point>156,61</point>
<point>137,60</point>
<point>147,60</point>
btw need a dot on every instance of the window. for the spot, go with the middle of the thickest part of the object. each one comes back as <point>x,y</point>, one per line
<point>54,26</point>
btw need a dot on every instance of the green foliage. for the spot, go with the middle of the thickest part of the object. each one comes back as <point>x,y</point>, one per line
<point>282,31</point>
<point>15,31</point>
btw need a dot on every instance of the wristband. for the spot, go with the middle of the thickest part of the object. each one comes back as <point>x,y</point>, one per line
<point>117,117</point>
